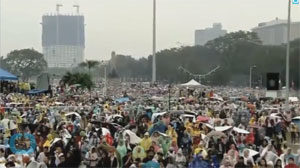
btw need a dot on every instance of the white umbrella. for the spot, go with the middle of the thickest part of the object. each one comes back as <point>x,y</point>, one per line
<point>274,115</point>
<point>296,118</point>
<point>217,97</point>
<point>241,131</point>
<point>293,99</point>
<point>59,103</point>
<point>223,128</point>
<point>156,115</point>
<point>251,152</point>
<point>203,136</point>
<point>105,131</point>
<point>134,139</point>
<point>73,113</point>
<point>54,141</point>
<point>209,126</point>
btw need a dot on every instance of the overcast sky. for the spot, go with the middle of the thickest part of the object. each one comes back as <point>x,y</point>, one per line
<point>125,26</point>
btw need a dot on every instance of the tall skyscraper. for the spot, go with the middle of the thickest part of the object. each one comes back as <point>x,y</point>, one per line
<point>275,32</point>
<point>204,35</point>
<point>63,40</point>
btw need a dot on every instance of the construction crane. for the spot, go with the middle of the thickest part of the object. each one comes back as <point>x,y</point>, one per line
<point>57,7</point>
<point>77,8</point>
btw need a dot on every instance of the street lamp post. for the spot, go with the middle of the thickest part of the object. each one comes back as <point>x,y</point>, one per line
<point>154,44</point>
<point>250,77</point>
<point>105,85</point>
<point>287,78</point>
<point>169,89</point>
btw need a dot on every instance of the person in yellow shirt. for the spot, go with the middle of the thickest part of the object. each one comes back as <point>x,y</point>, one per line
<point>201,148</point>
<point>146,142</point>
<point>172,133</point>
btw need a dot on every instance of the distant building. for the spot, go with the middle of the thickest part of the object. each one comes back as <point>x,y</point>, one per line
<point>275,31</point>
<point>205,35</point>
<point>63,40</point>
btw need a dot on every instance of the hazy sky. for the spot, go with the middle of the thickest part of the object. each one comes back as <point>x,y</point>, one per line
<point>125,26</point>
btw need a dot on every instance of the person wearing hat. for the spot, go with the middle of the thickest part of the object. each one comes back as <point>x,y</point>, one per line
<point>146,142</point>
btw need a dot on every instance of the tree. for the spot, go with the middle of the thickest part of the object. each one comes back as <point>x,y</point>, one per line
<point>225,43</point>
<point>83,79</point>
<point>90,64</point>
<point>25,63</point>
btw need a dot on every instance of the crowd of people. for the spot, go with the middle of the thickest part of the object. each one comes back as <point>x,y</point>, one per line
<point>138,125</point>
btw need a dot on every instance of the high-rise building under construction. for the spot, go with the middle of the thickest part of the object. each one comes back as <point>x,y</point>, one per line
<point>63,39</point>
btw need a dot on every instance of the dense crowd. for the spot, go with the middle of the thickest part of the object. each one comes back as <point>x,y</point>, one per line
<point>137,125</point>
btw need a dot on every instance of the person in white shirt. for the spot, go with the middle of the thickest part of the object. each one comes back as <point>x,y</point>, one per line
<point>42,155</point>
<point>248,160</point>
<point>93,157</point>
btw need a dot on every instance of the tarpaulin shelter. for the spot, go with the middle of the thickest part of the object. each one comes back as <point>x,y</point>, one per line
<point>191,83</point>
<point>4,75</point>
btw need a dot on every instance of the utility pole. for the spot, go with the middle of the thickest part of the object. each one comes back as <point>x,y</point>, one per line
<point>0,28</point>
<point>287,78</point>
<point>154,44</point>
<point>250,76</point>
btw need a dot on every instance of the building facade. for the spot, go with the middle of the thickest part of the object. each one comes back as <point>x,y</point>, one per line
<point>205,35</point>
<point>275,31</point>
<point>63,40</point>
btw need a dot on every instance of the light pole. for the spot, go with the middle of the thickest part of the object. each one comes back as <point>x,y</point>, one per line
<point>154,44</point>
<point>169,89</point>
<point>0,27</point>
<point>287,75</point>
<point>250,77</point>
<point>105,85</point>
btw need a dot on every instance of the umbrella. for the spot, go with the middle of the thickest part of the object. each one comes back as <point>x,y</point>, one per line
<point>251,106</point>
<point>202,118</point>
<point>275,115</point>
<point>297,122</point>
<point>73,113</point>
<point>155,115</point>
<point>54,141</point>
<point>209,126</point>
<point>155,98</point>
<point>223,128</point>
<point>185,116</point>
<point>179,112</point>
<point>112,117</point>
<point>293,99</point>
<point>296,118</point>
<point>75,85</point>
<point>59,103</point>
<point>241,131</point>
<point>251,152</point>
<point>215,134</point>
<point>203,136</point>
<point>134,139</point>
<point>105,131</point>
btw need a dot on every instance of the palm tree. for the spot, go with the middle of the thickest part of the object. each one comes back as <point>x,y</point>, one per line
<point>83,79</point>
<point>90,64</point>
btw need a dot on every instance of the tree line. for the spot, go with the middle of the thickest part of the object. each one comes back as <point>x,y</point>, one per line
<point>234,52</point>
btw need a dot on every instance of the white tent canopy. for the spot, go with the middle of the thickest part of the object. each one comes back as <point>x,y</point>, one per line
<point>191,83</point>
